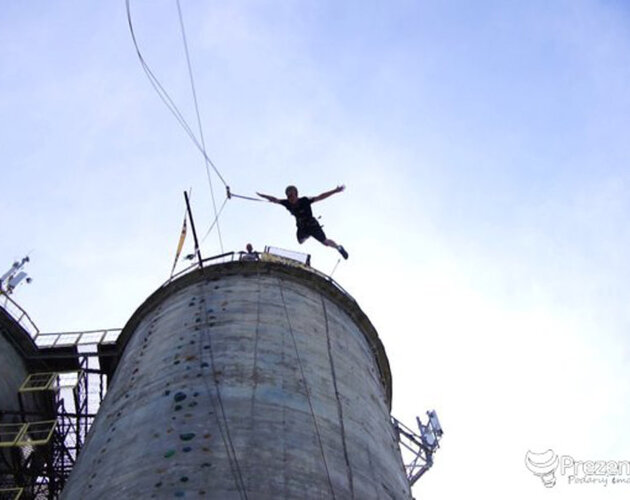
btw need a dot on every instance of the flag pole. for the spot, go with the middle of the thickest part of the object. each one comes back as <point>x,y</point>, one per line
<point>192,225</point>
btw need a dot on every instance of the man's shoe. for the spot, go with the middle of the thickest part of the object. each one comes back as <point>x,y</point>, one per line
<point>343,252</point>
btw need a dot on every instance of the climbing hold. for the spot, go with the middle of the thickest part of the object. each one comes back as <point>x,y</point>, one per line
<point>187,436</point>
<point>179,396</point>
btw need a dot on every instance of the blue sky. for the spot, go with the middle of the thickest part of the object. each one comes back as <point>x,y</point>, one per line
<point>484,149</point>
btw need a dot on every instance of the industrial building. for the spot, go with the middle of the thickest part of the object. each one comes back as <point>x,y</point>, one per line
<point>242,377</point>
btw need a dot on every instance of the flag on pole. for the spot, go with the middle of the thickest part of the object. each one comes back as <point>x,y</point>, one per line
<point>180,244</point>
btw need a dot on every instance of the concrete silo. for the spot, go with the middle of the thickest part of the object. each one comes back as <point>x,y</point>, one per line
<point>258,380</point>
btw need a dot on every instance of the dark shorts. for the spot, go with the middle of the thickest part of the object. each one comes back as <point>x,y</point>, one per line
<point>311,228</point>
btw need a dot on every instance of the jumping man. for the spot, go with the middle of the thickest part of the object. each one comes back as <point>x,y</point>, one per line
<point>300,208</point>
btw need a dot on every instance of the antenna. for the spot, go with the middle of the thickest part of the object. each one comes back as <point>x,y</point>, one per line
<point>435,423</point>
<point>14,276</point>
<point>417,449</point>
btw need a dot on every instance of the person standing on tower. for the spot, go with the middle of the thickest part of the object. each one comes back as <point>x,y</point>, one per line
<point>300,208</point>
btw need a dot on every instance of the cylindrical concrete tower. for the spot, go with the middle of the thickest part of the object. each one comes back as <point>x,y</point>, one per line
<point>255,380</point>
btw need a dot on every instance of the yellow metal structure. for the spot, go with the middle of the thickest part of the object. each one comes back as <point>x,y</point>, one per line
<point>51,381</point>
<point>10,493</point>
<point>10,434</point>
<point>26,434</point>
<point>38,382</point>
<point>36,433</point>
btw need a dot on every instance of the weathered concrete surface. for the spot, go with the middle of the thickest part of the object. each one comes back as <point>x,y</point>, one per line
<point>256,384</point>
<point>19,357</point>
<point>13,371</point>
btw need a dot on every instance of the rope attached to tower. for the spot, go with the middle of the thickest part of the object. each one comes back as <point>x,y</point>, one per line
<point>306,389</point>
<point>172,107</point>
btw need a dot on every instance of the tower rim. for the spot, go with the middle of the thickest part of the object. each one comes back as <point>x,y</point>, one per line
<point>110,354</point>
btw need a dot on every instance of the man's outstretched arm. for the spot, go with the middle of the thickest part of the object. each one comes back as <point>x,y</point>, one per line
<point>325,195</point>
<point>268,197</point>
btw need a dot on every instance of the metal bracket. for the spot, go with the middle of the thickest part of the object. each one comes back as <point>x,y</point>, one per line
<point>417,450</point>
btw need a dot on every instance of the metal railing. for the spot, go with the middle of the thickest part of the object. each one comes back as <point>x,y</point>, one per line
<point>18,314</point>
<point>271,254</point>
<point>84,338</point>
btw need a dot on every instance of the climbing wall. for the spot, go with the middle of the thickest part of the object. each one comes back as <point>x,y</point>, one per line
<point>254,384</point>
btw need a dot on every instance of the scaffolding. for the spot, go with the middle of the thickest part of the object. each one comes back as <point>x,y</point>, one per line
<point>40,444</point>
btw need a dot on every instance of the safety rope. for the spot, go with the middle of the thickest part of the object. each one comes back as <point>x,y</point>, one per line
<point>165,97</point>
<point>199,125</point>
<point>172,107</point>
<point>220,417</point>
<point>334,268</point>
<point>216,218</point>
<point>337,397</point>
<point>230,194</point>
<point>308,394</point>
